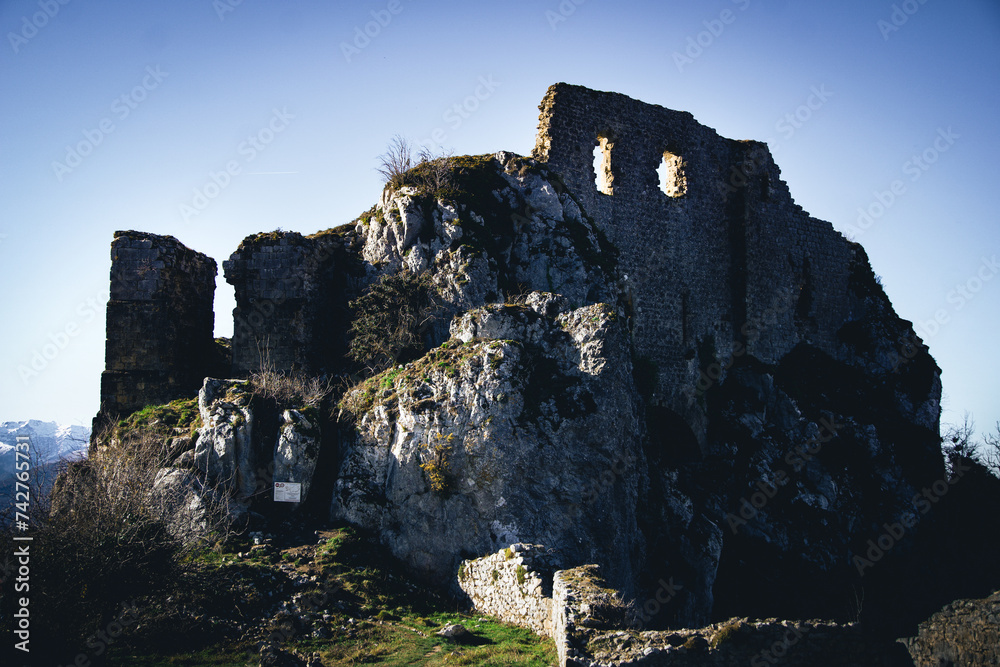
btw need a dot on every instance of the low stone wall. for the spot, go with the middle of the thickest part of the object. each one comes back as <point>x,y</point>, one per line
<point>592,625</point>
<point>582,603</point>
<point>965,632</point>
<point>514,585</point>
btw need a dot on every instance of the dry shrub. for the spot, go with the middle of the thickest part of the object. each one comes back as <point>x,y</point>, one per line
<point>104,541</point>
<point>291,389</point>
<point>427,171</point>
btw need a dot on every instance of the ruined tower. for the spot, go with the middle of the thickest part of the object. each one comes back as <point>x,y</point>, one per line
<point>719,259</point>
<point>159,323</point>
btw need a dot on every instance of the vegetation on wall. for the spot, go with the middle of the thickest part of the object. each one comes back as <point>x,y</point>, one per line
<point>391,320</point>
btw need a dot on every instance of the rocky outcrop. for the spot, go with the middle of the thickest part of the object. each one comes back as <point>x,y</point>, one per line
<point>297,451</point>
<point>965,632</point>
<point>498,437</point>
<point>227,468</point>
<point>189,508</point>
<point>501,225</point>
<point>223,450</point>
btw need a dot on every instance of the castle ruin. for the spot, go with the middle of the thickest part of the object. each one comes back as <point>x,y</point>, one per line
<point>719,259</point>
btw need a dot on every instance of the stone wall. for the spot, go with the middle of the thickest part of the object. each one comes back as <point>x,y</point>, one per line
<point>593,625</point>
<point>965,632</point>
<point>726,247</point>
<point>160,323</point>
<point>514,585</point>
<point>291,301</point>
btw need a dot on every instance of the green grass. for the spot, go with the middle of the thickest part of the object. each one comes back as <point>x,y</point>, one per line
<point>216,656</point>
<point>394,619</point>
<point>182,413</point>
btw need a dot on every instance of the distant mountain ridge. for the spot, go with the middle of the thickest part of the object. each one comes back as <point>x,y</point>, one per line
<point>51,443</point>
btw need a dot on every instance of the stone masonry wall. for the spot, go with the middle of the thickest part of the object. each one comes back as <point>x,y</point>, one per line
<point>591,624</point>
<point>514,585</point>
<point>160,322</point>
<point>965,632</point>
<point>291,300</point>
<point>730,247</point>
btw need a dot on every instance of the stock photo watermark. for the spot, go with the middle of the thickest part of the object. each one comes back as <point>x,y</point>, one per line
<point>562,13</point>
<point>959,297</point>
<point>363,35</point>
<point>248,150</point>
<point>894,532</point>
<point>57,341</point>
<point>698,43</point>
<point>223,7</point>
<point>708,376</point>
<point>666,592</point>
<point>898,17</point>
<point>798,458</point>
<point>22,552</point>
<point>455,115</point>
<point>776,652</point>
<point>915,168</point>
<point>48,10</point>
<point>793,121</point>
<point>121,108</point>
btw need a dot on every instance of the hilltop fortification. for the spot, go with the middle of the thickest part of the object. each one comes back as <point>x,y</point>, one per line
<point>662,366</point>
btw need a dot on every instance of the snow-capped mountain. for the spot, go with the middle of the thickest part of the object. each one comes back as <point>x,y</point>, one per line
<point>50,444</point>
<point>50,441</point>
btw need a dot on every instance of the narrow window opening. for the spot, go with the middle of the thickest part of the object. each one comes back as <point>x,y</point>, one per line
<point>602,165</point>
<point>671,177</point>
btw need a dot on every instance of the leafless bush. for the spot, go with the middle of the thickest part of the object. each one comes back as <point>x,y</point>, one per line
<point>288,389</point>
<point>396,161</point>
<point>959,441</point>
<point>291,389</point>
<point>434,171</point>
<point>428,171</point>
<point>991,447</point>
<point>105,538</point>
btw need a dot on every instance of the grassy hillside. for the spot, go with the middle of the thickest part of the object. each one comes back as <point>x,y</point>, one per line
<point>329,596</point>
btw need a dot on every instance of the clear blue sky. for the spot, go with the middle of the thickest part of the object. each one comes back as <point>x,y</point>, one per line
<point>160,95</point>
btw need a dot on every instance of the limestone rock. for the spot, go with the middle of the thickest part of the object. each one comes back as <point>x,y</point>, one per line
<point>524,427</point>
<point>456,632</point>
<point>224,449</point>
<point>297,451</point>
<point>190,509</point>
<point>511,228</point>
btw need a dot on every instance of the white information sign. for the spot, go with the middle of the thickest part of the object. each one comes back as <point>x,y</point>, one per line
<point>287,492</point>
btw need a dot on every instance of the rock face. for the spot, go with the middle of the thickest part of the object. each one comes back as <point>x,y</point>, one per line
<point>501,434</point>
<point>224,448</point>
<point>238,452</point>
<point>966,632</point>
<point>188,507</point>
<point>297,451</point>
